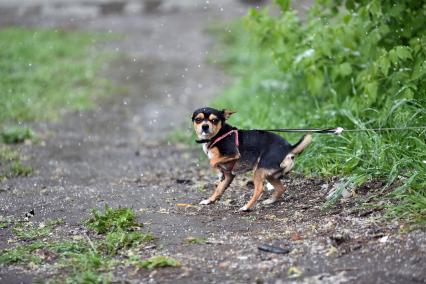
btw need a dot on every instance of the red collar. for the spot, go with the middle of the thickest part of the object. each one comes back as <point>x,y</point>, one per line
<point>237,143</point>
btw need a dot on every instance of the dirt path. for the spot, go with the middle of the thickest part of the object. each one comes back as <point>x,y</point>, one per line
<point>119,155</point>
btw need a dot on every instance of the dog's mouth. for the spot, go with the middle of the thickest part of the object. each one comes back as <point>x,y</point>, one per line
<point>205,134</point>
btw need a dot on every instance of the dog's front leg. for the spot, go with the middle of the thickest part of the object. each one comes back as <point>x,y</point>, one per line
<point>220,188</point>
<point>215,163</point>
<point>220,176</point>
<point>216,158</point>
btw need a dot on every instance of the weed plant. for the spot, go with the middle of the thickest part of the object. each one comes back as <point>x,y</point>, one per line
<point>354,64</point>
<point>11,164</point>
<point>159,261</point>
<point>114,240</point>
<point>14,135</point>
<point>112,220</point>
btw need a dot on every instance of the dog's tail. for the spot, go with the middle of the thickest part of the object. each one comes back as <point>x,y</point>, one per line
<point>301,144</point>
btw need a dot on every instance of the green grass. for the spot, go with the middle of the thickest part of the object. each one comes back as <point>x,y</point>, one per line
<point>265,96</point>
<point>196,240</point>
<point>14,135</point>
<point>43,72</point>
<point>11,164</point>
<point>119,226</point>
<point>70,247</point>
<point>112,220</point>
<point>160,261</point>
<point>29,232</point>
<point>5,222</point>
<point>113,240</point>
<point>88,277</point>
<point>18,169</point>
<point>21,254</point>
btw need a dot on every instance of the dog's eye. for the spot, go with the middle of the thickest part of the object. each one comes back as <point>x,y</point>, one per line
<point>198,120</point>
<point>215,121</point>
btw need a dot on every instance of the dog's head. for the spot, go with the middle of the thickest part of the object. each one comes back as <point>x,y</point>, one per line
<point>208,121</point>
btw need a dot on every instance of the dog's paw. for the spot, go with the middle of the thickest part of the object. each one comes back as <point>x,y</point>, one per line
<point>205,202</point>
<point>244,209</point>
<point>269,201</point>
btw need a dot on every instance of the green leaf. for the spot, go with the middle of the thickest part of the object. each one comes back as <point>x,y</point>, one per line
<point>375,8</point>
<point>403,52</point>
<point>345,69</point>
<point>393,56</point>
<point>347,18</point>
<point>408,93</point>
<point>384,64</point>
<point>371,90</point>
<point>283,4</point>
<point>350,5</point>
<point>315,81</point>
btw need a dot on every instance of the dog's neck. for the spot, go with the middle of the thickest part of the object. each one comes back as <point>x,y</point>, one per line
<point>225,128</point>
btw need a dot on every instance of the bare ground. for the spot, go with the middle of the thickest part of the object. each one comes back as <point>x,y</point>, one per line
<point>119,155</point>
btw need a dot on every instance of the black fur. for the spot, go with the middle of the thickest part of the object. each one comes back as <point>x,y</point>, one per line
<point>207,111</point>
<point>267,147</point>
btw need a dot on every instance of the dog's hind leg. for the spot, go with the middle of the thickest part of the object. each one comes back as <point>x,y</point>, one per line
<point>220,189</point>
<point>258,178</point>
<point>279,190</point>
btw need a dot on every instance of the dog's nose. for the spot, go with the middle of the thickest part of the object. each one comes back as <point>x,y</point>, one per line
<point>205,127</point>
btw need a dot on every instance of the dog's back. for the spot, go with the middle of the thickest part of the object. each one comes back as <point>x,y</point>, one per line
<point>264,148</point>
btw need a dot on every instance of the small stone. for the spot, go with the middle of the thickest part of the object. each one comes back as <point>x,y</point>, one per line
<point>295,237</point>
<point>384,239</point>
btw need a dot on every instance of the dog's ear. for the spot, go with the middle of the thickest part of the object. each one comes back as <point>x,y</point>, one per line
<point>227,113</point>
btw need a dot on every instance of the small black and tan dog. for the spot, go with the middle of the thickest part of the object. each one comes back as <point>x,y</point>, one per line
<point>232,151</point>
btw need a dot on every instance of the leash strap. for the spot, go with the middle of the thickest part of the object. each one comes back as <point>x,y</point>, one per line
<point>340,130</point>
<point>237,143</point>
<point>336,131</point>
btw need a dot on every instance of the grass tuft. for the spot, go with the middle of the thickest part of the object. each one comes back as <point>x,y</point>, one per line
<point>112,220</point>
<point>115,241</point>
<point>18,169</point>
<point>160,261</point>
<point>89,277</point>
<point>27,231</point>
<point>15,134</point>
<point>21,254</point>
<point>196,240</point>
<point>10,163</point>
<point>70,247</point>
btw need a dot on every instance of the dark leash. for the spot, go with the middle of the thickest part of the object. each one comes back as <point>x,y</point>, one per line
<point>335,131</point>
<point>340,130</point>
